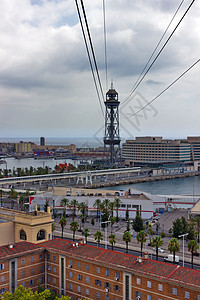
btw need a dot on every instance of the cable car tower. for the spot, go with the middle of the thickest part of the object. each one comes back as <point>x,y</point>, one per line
<point>111,138</point>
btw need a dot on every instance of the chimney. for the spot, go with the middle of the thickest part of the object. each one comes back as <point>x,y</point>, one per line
<point>48,209</point>
<point>35,210</point>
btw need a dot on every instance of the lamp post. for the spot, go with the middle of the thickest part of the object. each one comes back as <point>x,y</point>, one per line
<point>183,235</point>
<point>106,231</point>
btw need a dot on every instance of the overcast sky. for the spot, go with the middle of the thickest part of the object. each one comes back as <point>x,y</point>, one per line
<point>46,86</point>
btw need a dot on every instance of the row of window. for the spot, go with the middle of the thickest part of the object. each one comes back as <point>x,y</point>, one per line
<point>23,273</point>
<point>97,269</point>
<point>49,257</point>
<point>160,288</point>
<point>87,292</point>
<point>49,268</point>
<point>23,260</point>
<point>32,282</point>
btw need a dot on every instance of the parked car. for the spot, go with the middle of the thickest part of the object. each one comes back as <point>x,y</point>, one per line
<point>170,258</point>
<point>159,250</point>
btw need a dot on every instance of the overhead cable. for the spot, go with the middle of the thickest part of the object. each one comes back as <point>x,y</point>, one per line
<point>105,43</point>
<point>165,89</point>
<point>89,57</point>
<point>154,51</point>
<point>141,79</point>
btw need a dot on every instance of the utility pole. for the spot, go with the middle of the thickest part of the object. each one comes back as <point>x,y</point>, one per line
<point>183,235</point>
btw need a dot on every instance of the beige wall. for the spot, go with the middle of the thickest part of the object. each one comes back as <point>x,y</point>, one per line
<point>7,233</point>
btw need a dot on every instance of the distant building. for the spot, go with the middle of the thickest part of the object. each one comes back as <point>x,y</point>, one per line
<point>42,141</point>
<point>151,150</point>
<point>24,147</point>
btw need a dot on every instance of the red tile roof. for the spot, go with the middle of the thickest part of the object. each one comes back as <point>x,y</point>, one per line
<point>161,270</point>
<point>18,248</point>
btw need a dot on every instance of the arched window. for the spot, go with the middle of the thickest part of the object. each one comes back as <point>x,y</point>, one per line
<point>23,235</point>
<point>41,235</point>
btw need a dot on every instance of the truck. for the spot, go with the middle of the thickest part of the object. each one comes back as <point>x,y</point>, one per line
<point>170,258</point>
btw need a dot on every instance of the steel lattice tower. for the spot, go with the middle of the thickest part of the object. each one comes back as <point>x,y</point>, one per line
<point>112,139</point>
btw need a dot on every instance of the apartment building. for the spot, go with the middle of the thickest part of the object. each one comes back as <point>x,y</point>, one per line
<point>156,149</point>
<point>83,271</point>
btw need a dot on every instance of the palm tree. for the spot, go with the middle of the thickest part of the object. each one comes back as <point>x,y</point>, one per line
<point>106,206</point>
<point>117,206</point>
<point>197,220</point>
<point>82,207</point>
<point>127,239</point>
<point>64,202</point>
<point>173,247</point>
<point>22,200</point>
<point>86,234</point>
<point>112,222</point>
<point>97,204</point>
<point>112,240</point>
<point>98,236</point>
<point>141,238</point>
<point>112,206</point>
<point>63,223</point>
<point>150,232</point>
<point>157,242</point>
<point>74,227</point>
<point>74,205</point>
<point>192,247</point>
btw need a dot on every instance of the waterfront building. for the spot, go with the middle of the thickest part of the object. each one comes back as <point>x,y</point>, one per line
<point>154,151</point>
<point>24,147</point>
<point>83,271</point>
<point>16,226</point>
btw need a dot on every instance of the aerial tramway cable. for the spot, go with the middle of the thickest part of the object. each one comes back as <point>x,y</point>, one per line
<point>105,43</point>
<point>141,77</point>
<point>165,88</point>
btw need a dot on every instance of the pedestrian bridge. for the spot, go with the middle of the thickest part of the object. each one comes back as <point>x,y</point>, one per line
<point>84,177</point>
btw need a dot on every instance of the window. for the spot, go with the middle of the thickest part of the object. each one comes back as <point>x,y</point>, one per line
<point>198,297</point>
<point>23,235</point>
<point>70,274</point>
<point>174,291</point>
<point>54,280</point>
<point>79,277</point>
<point>116,288</point>
<point>98,295</point>
<point>138,281</point>
<point>23,261</point>
<point>23,284</point>
<point>71,286</point>
<point>41,268</point>
<point>54,269</point>
<point>2,278</point>
<point>138,294</point>
<point>41,279</point>
<point>187,295</point>
<point>23,273</point>
<point>40,257</point>
<point>79,289</point>
<point>87,267</point>
<point>149,284</point>
<point>32,258</point>
<point>41,235</point>
<point>87,279</point>
<point>32,271</point>
<point>31,282</point>
<point>148,297</point>
<point>106,285</point>
<point>48,256</point>
<point>2,290</point>
<point>79,265</point>
<point>71,263</point>
<point>49,268</point>
<point>1,267</point>
<point>117,275</point>
<point>107,272</point>
<point>48,279</point>
<point>98,282</point>
<point>87,292</point>
<point>98,270</point>
<point>54,258</point>
<point>160,287</point>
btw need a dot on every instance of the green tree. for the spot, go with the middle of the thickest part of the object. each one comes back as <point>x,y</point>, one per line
<point>111,207</point>
<point>92,222</point>
<point>192,234</point>
<point>86,234</point>
<point>177,228</point>
<point>64,202</point>
<point>173,247</point>
<point>63,223</point>
<point>12,194</point>
<point>117,206</point>
<point>98,236</point>
<point>150,232</point>
<point>112,240</point>
<point>157,242</point>
<point>141,238</point>
<point>74,227</point>
<point>97,204</point>
<point>46,204</point>
<point>138,222</point>
<point>127,239</point>
<point>192,247</point>
<point>74,205</point>
<point>197,221</point>
<point>82,207</point>
<point>112,222</point>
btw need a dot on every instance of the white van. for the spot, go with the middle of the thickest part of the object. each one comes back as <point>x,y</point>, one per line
<point>170,258</point>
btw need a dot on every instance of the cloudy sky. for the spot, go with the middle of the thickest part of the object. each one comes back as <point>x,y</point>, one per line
<point>46,86</point>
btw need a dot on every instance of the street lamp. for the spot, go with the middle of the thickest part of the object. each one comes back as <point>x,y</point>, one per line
<point>106,231</point>
<point>183,235</point>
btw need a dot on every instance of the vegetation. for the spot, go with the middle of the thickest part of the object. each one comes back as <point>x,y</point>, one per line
<point>192,247</point>
<point>98,236</point>
<point>74,204</point>
<point>138,222</point>
<point>86,234</point>
<point>63,223</point>
<point>74,227</point>
<point>173,247</point>
<point>141,238</point>
<point>127,239</point>
<point>117,203</point>
<point>112,240</point>
<point>157,242</point>
<point>64,202</point>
